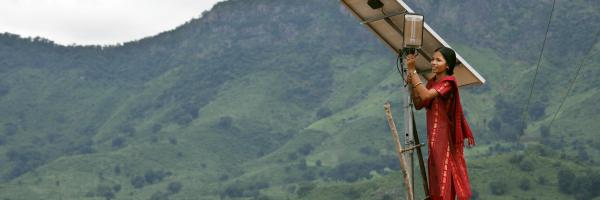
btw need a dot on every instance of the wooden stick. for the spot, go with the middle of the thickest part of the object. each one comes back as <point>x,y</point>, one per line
<point>403,164</point>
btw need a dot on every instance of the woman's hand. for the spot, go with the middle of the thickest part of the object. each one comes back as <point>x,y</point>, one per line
<point>410,65</point>
<point>410,62</point>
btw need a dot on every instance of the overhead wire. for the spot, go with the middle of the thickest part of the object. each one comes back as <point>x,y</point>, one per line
<point>574,79</point>
<point>526,108</point>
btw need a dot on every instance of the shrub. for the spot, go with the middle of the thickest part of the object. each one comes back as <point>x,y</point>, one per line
<point>225,122</point>
<point>475,195</point>
<point>224,177</point>
<point>352,193</point>
<point>105,191</point>
<point>152,176</point>
<point>173,141</point>
<point>354,171</point>
<point>292,156</point>
<point>156,128</point>
<point>524,184</point>
<point>117,187</point>
<point>305,189</point>
<point>498,187</point>
<point>2,140</point>
<point>526,165</point>
<point>118,142</point>
<point>515,159</point>
<point>306,149</point>
<point>369,151</point>
<point>117,169</point>
<point>10,129</point>
<point>323,113</point>
<point>4,89</point>
<point>138,182</point>
<point>566,179</point>
<point>159,196</point>
<point>542,180</point>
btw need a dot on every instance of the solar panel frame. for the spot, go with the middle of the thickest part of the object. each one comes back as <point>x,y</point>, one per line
<point>385,23</point>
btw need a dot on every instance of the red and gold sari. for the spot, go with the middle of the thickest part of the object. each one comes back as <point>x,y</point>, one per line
<point>446,130</point>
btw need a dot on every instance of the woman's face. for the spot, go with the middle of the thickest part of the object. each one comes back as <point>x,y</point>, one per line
<point>438,63</point>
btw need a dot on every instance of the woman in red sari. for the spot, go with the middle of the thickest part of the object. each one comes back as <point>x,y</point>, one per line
<point>446,126</point>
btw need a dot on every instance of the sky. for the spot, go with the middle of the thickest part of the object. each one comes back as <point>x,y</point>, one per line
<point>97,22</point>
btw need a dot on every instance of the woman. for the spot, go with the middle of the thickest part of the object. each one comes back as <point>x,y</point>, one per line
<point>446,126</point>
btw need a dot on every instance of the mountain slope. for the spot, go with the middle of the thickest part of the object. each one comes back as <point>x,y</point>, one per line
<point>286,102</point>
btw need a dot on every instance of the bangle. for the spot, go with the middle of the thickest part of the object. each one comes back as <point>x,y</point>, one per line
<point>415,86</point>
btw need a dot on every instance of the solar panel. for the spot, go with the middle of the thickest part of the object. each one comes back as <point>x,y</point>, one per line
<point>387,22</point>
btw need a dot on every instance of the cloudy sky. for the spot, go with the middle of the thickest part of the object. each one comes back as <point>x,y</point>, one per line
<point>96,21</point>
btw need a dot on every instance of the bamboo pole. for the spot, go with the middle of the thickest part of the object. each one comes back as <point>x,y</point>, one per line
<point>399,150</point>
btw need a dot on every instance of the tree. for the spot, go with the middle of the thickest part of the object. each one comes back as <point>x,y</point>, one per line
<point>174,187</point>
<point>566,179</point>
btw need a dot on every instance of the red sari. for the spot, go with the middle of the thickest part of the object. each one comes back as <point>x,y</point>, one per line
<point>446,130</point>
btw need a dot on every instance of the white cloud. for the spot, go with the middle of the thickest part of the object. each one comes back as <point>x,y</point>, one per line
<point>96,21</point>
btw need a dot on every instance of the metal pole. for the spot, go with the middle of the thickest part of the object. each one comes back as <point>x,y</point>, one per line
<point>408,126</point>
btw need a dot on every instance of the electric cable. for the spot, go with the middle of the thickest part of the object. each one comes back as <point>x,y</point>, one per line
<point>401,71</point>
<point>525,110</point>
<point>574,79</point>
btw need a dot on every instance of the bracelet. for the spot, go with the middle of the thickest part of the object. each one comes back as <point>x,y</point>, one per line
<point>415,86</point>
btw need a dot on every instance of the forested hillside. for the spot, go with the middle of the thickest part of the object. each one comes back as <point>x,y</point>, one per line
<point>283,99</point>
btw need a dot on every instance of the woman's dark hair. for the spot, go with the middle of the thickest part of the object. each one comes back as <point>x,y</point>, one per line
<point>450,58</point>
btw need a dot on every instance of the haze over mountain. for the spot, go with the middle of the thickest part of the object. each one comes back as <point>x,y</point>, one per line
<point>266,99</point>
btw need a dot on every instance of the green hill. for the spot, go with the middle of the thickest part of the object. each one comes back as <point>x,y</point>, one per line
<point>262,99</point>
